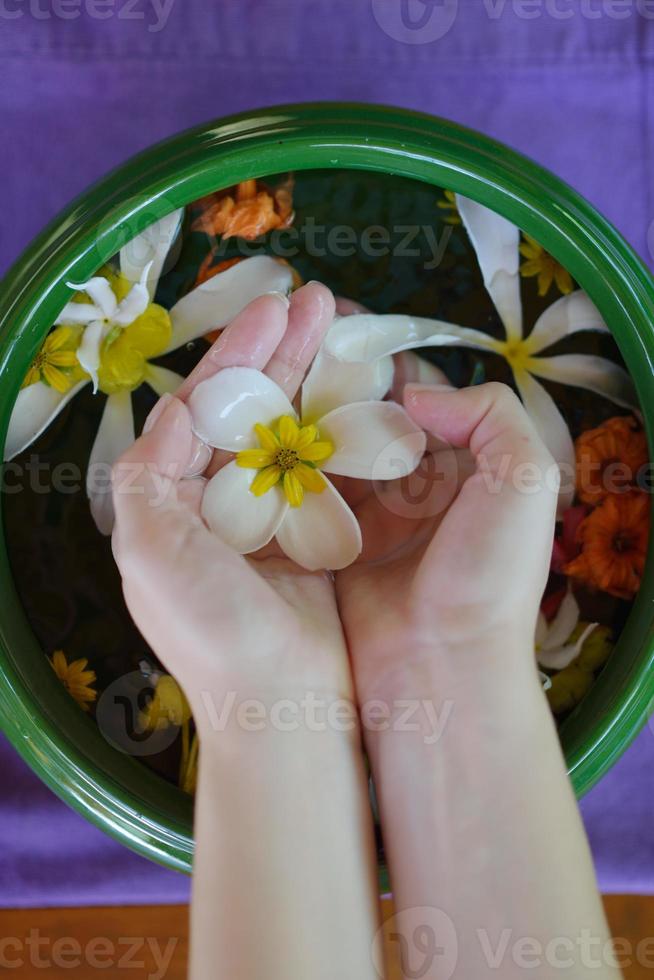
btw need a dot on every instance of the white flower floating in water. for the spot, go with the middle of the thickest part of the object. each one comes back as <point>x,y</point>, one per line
<point>109,333</point>
<point>365,337</point>
<point>554,651</point>
<point>276,487</point>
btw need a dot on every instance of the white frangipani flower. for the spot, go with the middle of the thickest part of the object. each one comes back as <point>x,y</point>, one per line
<point>275,486</point>
<point>366,337</point>
<point>122,330</point>
<point>553,649</point>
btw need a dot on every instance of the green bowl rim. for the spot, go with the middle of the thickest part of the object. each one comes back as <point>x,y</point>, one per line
<point>64,747</point>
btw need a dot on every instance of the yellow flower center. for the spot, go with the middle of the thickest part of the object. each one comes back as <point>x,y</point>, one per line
<point>288,454</point>
<point>516,353</point>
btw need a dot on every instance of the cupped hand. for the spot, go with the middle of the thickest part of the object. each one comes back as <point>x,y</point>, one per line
<point>455,556</point>
<point>260,624</point>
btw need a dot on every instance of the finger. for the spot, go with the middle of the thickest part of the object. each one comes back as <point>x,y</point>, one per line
<point>166,556</point>
<point>249,341</point>
<point>310,315</point>
<point>506,510</point>
<point>347,307</point>
<point>410,368</point>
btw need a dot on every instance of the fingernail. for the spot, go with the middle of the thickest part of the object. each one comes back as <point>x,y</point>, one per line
<point>281,296</point>
<point>200,457</point>
<point>157,412</point>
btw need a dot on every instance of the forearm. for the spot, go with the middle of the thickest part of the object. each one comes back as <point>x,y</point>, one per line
<point>284,875</point>
<point>482,823</point>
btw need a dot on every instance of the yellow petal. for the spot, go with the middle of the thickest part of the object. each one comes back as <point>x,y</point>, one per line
<point>545,281</point>
<point>62,358</point>
<point>310,479</point>
<point>317,451</point>
<point>265,480</point>
<point>531,268</point>
<point>254,459</point>
<point>288,432</point>
<point>32,377</point>
<point>266,437</point>
<point>293,489</point>
<point>308,434</point>
<point>563,279</point>
<point>56,378</point>
<point>59,338</point>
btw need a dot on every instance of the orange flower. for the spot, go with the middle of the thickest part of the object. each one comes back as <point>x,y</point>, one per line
<point>613,542</point>
<point>246,211</point>
<point>609,458</point>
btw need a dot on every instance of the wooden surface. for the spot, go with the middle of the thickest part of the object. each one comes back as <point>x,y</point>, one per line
<point>152,942</point>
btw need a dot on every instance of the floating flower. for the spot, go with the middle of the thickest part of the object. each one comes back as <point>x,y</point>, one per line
<point>568,686</point>
<point>610,458</point>
<point>540,263</point>
<point>76,678</point>
<point>448,206</point>
<point>365,337</point>
<point>555,648</point>
<point>613,542</point>
<point>566,546</point>
<point>56,363</point>
<point>276,485</point>
<point>120,331</point>
<point>168,706</point>
<point>247,211</point>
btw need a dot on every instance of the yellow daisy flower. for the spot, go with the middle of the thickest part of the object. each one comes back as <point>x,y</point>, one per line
<point>287,456</point>
<point>540,263</point>
<point>448,206</point>
<point>168,706</point>
<point>75,677</point>
<point>56,361</point>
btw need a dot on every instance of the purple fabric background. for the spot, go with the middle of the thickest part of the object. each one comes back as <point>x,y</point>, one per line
<point>569,83</point>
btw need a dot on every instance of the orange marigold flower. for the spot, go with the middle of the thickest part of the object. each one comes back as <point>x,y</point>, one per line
<point>247,211</point>
<point>613,542</point>
<point>609,458</point>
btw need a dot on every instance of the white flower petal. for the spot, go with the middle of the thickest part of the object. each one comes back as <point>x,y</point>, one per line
<point>331,383</point>
<point>368,336</point>
<point>35,408</point>
<point>226,407</point>
<point>497,244</point>
<point>100,291</point>
<point>150,248</point>
<point>372,440</point>
<point>163,381</point>
<point>588,371</point>
<point>216,302</point>
<point>552,429</point>
<point>560,657</point>
<point>115,435</point>
<point>79,313</point>
<point>567,316</point>
<point>321,533</point>
<point>88,352</point>
<point>541,629</point>
<point>243,521</point>
<point>561,627</point>
<point>135,303</point>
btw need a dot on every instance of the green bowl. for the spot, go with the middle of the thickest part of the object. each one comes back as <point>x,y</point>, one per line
<point>62,745</point>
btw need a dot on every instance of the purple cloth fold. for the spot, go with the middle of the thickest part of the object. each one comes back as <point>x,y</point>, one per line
<point>569,83</point>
